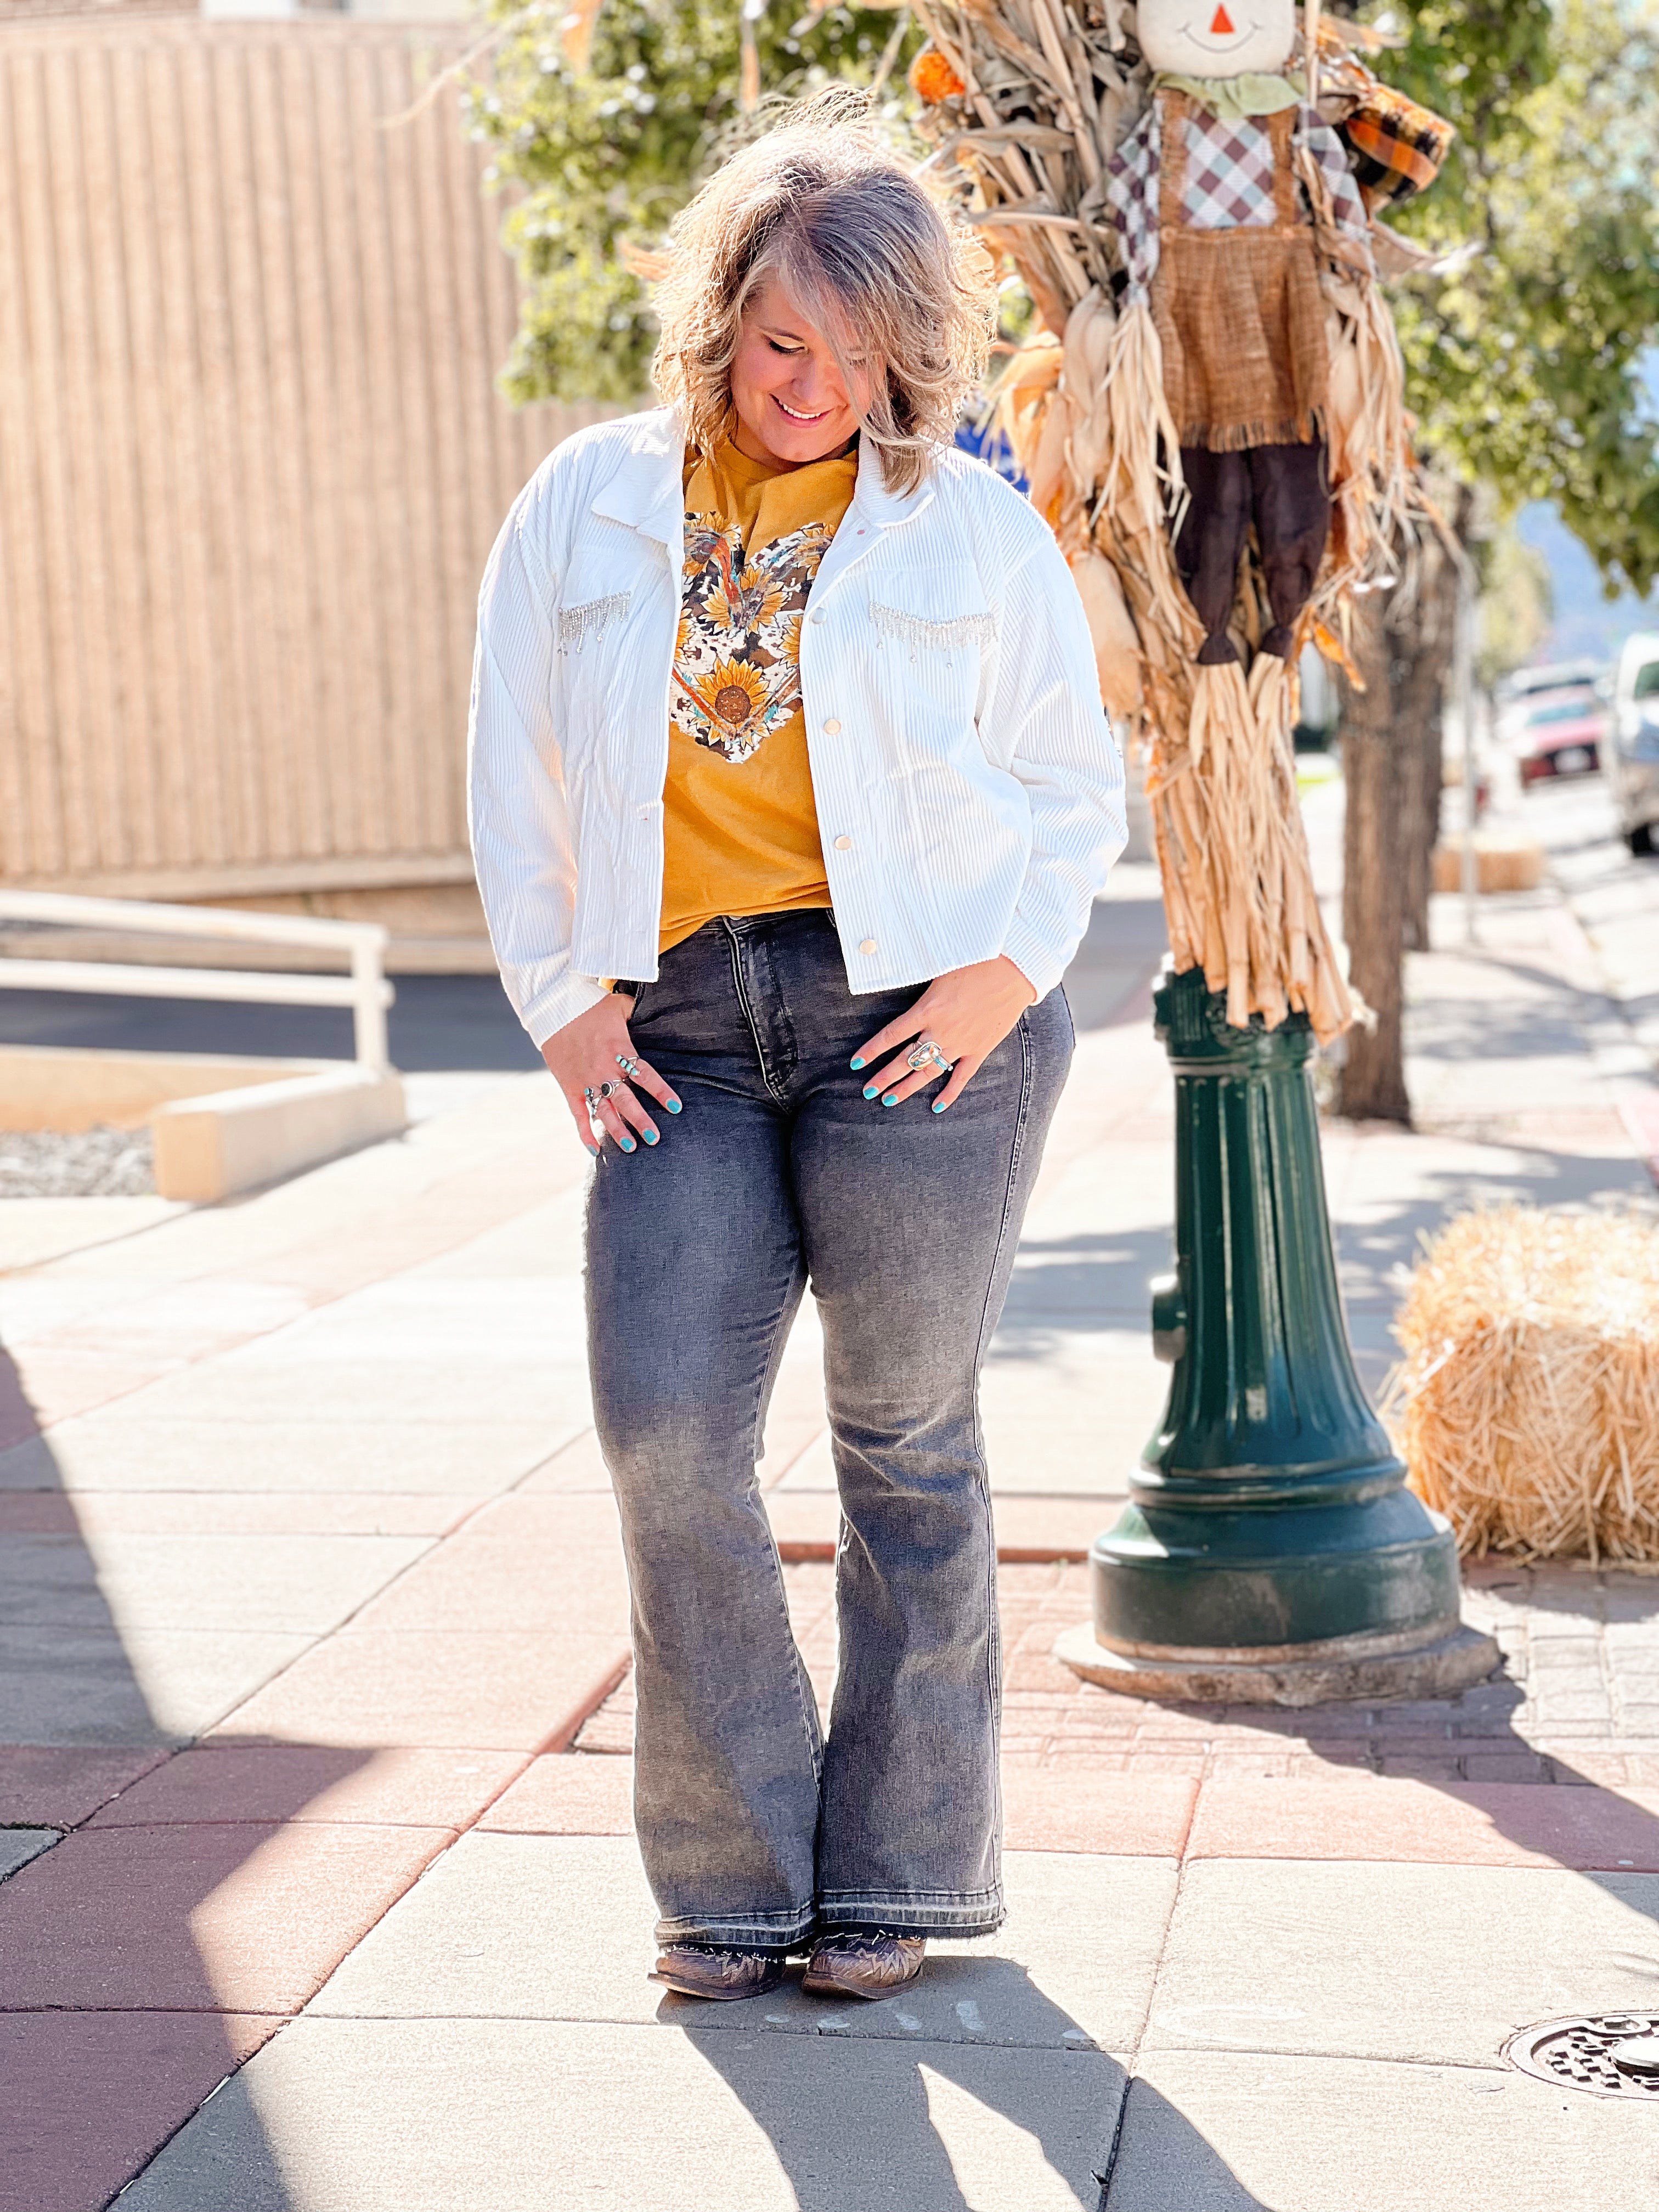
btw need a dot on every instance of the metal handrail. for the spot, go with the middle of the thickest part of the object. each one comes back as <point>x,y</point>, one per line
<point>365,990</point>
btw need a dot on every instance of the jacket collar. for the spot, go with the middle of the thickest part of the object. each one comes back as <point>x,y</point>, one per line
<point>873,499</point>
<point>645,493</point>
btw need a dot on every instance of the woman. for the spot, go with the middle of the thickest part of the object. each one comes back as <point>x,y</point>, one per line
<point>785,713</point>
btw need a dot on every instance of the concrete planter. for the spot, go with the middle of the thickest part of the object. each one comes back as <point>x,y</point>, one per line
<point>220,1125</point>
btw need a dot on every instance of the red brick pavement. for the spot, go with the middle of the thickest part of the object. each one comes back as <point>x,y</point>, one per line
<point>1577,1644</point>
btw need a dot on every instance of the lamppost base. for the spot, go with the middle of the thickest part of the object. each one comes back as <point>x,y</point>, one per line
<point>1354,1669</point>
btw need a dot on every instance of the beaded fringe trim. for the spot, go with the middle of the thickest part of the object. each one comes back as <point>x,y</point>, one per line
<point>578,624</point>
<point>915,630</point>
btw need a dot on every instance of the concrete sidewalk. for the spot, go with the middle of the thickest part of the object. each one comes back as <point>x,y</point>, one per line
<point>313,1683</point>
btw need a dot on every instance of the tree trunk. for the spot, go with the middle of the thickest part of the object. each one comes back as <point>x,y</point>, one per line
<point>1376,774</point>
<point>1424,654</point>
<point>1403,644</point>
<point>1419,704</point>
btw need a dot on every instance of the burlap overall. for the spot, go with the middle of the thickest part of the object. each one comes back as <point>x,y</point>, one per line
<point>1238,310</point>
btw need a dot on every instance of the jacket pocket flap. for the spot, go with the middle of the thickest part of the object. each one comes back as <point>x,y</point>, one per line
<point>578,624</point>
<point>924,633</point>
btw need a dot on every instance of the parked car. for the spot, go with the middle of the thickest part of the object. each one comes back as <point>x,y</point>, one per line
<point>1558,731</point>
<point>1550,676</point>
<point>1633,754</point>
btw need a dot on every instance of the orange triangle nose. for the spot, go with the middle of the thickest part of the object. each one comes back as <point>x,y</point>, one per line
<point>1221,24</point>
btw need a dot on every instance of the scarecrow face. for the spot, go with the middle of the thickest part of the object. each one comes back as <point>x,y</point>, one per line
<point>1217,38</point>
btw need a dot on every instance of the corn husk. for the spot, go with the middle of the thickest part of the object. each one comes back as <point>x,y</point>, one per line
<point>1112,632</point>
<point>1527,1404</point>
<point>1047,94</point>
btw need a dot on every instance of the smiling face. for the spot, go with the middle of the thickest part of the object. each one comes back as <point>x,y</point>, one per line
<point>793,402</point>
<point>1217,38</point>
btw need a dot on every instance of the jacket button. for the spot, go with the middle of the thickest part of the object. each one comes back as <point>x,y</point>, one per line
<point>868,945</point>
<point>832,727</point>
<point>818,615</point>
<point>843,844</point>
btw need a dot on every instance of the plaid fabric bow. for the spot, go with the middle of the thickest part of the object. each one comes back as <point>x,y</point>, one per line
<point>1397,146</point>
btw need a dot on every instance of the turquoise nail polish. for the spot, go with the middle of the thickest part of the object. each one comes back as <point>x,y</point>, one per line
<point>938,1106</point>
<point>869,1090</point>
<point>890,1100</point>
<point>650,1136</point>
<point>858,1063</point>
<point>673,1105</point>
<point>629,1145</point>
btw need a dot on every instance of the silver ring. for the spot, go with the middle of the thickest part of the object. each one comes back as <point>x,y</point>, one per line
<point>597,1097</point>
<point>926,1055</point>
<point>629,1068</point>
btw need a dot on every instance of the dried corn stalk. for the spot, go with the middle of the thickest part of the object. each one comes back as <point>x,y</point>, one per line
<point>1527,1406</point>
<point>1028,100</point>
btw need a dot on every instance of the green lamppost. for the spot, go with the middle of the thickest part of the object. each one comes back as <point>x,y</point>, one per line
<point>1270,1552</point>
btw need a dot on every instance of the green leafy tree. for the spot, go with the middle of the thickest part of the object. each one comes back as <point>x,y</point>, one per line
<point>606,155</point>
<point>1524,368</point>
<point>1526,364</point>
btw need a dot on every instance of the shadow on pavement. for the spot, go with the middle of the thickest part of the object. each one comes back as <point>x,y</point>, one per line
<point>437,1024</point>
<point>891,2126</point>
<point>113,2030</point>
<point>442,1024</point>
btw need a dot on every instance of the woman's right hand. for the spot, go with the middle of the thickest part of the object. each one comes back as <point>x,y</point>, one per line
<point>587,1053</point>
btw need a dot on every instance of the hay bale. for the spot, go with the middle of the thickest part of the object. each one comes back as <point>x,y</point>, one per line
<point>1527,1405</point>
<point>1504,860</point>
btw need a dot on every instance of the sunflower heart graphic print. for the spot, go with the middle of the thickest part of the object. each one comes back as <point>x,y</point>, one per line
<point>736,660</point>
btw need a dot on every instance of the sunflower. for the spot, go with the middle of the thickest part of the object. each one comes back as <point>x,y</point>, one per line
<point>735,698</point>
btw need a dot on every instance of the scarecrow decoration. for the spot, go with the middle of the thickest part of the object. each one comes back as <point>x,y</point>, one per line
<point>1211,412</point>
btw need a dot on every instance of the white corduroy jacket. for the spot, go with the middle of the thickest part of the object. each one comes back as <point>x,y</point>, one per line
<point>969,790</point>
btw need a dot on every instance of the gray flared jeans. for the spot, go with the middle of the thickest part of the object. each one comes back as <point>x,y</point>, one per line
<point>756,1830</point>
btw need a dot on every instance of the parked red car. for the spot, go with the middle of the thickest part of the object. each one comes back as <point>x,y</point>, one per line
<point>1559,732</point>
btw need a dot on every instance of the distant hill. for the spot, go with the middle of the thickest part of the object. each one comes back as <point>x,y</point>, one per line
<point>1587,626</point>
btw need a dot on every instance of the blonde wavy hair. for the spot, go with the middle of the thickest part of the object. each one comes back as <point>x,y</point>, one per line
<point>891,281</point>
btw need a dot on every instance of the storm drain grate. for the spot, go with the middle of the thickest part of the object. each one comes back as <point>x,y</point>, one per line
<point>1616,2055</point>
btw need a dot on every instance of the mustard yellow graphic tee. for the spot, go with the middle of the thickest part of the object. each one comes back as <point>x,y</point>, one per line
<point>740,828</point>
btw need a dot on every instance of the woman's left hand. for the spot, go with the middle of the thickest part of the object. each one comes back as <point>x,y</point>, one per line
<point>967,1014</point>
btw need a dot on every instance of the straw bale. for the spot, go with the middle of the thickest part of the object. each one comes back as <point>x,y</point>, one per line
<point>1504,860</point>
<point>1527,1405</point>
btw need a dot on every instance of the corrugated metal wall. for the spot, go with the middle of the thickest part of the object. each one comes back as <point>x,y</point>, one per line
<point>251,458</point>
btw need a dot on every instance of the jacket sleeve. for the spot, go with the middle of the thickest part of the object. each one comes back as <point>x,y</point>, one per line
<point>517,808</point>
<point>1045,718</point>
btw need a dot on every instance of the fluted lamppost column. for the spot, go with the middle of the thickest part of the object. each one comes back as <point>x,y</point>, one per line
<point>1270,1551</point>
